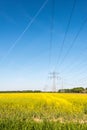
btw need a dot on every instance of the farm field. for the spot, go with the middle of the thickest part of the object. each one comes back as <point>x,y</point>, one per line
<point>43,111</point>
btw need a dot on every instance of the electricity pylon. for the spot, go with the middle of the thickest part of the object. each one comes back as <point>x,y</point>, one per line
<point>54,77</point>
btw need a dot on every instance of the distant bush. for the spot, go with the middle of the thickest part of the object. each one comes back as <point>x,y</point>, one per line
<point>74,90</point>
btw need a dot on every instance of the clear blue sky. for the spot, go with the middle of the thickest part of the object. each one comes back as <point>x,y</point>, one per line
<point>26,65</point>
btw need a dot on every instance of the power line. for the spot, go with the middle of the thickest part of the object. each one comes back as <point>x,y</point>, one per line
<point>73,42</point>
<point>70,67</point>
<point>77,64</point>
<point>51,32</point>
<point>80,74</point>
<point>66,32</point>
<point>73,65</point>
<point>51,35</point>
<point>28,26</point>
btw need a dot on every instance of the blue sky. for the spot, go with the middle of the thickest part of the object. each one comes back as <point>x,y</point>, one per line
<point>27,66</point>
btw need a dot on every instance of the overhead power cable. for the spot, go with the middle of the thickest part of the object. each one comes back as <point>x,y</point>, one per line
<point>66,32</point>
<point>51,35</point>
<point>28,26</point>
<point>51,32</point>
<point>73,42</point>
<point>76,64</point>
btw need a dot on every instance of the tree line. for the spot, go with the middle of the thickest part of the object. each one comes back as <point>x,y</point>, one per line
<point>74,90</point>
<point>70,90</point>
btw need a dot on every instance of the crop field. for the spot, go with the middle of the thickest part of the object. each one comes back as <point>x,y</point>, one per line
<point>43,111</point>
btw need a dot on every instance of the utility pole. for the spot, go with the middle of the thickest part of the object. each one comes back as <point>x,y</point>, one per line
<point>54,77</point>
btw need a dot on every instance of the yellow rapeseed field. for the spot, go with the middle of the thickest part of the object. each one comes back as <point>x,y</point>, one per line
<point>40,106</point>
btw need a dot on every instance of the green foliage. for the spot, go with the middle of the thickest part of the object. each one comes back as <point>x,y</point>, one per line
<point>45,125</point>
<point>78,90</point>
<point>73,90</point>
